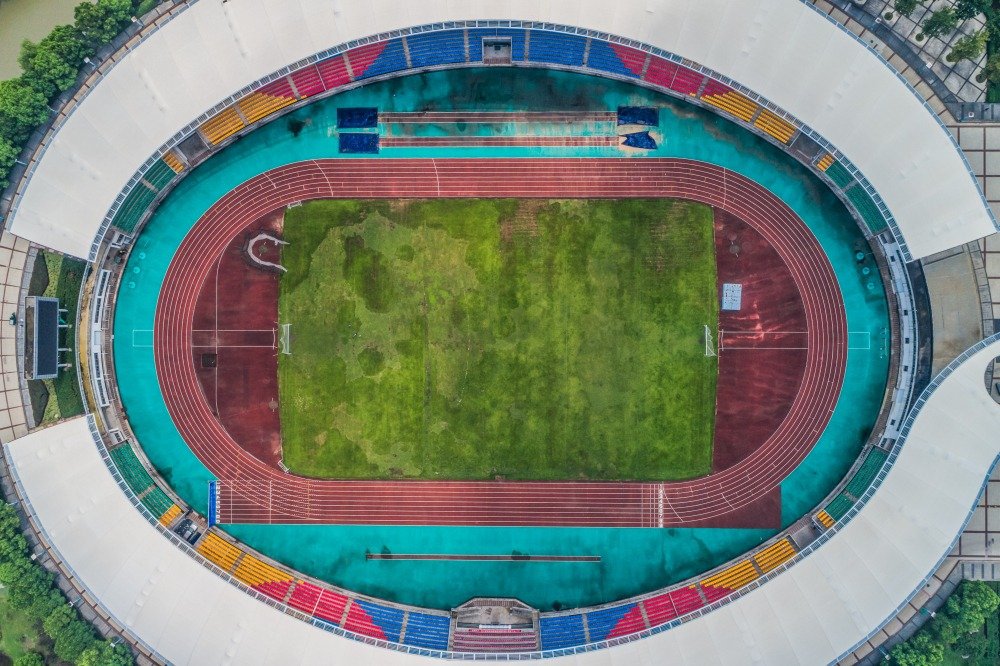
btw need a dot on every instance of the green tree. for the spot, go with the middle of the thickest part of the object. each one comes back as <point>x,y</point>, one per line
<point>8,153</point>
<point>972,646</point>
<point>12,545</point>
<point>906,7</point>
<point>106,653</point>
<point>945,629</point>
<point>44,604</point>
<point>22,109</point>
<point>15,572</point>
<point>974,602</point>
<point>60,617</point>
<point>72,635</point>
<point>100,22</point>
<point>940,22</point>
<point>969,47</point>
<point>921,650</point>
<point>990,71</point>
<point>966,9</point>
<point>30,659</point>
<point>29,587</point>
<point>9,522</point>
<point>51,65</point>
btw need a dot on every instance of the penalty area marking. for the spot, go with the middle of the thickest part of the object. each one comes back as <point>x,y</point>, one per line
<point>142,337</point>
<point>859,340</point>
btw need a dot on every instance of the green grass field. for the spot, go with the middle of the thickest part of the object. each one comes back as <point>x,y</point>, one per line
<point>481,338</point>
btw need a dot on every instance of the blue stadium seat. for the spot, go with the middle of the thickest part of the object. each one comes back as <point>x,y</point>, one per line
<point>556,48</point>
<point>601,56</point>
<point>436,48</point>
<point>561,631</point>
<point>392,59</point>
<point>427,631</point>
<point>388,619</point>
<point>601,622</point>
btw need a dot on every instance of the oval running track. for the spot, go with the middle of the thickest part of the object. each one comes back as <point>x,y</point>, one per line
<point>253,492</point>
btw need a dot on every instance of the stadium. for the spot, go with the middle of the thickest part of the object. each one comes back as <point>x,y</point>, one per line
<point>501,331</point>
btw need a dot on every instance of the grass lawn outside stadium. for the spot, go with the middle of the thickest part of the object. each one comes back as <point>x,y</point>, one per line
<point>498,338</point>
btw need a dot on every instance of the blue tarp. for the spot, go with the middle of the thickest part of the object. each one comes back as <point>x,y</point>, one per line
<point>638,115</point>
<point>640,140</point>
<point>358,117</point>
<point>359,143</point>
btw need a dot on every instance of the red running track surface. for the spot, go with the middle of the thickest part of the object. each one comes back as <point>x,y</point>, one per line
<point>251,491</point>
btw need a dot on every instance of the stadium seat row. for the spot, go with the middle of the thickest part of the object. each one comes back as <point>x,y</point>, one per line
<point>865,474</point>
<point>139,480</point>
<point>433,631</point>
<point>859,198</point>
<point>774,555</point>
<point>219,551</point>
<point>729,580</point>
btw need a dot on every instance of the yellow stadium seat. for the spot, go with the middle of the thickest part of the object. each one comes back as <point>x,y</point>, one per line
<point>221,126</point>
<point>253,572</point>
<point>170,514</point>
<point>734,577</point>
<point>218,550</point>
<point>774,555</point>
<point>173,162</point>
<point>734,103</point>
<point>776,126</point>
<point>258,105</point>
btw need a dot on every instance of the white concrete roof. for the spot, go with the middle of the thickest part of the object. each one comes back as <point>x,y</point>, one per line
<point>782,49</point>
<point>812,613</point>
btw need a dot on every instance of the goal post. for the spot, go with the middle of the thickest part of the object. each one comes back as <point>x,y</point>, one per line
<point>286,339</point>
<point>709,344</point>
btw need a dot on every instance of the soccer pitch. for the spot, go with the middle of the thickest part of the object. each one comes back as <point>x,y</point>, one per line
<point>498,338</point>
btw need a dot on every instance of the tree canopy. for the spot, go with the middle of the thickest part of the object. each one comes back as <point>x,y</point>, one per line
<point>966,9</point>
<point>100,22</point>
<point>906,7</point>
<point>969,47</point>
<point>22,109</point>
<point>942,21</point>
<point>51,65</point>
<point>958,625</point>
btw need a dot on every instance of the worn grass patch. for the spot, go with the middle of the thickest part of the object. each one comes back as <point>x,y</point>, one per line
<point>480,338</point>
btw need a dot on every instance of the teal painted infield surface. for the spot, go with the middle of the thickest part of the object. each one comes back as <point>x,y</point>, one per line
<point>633,560</point>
